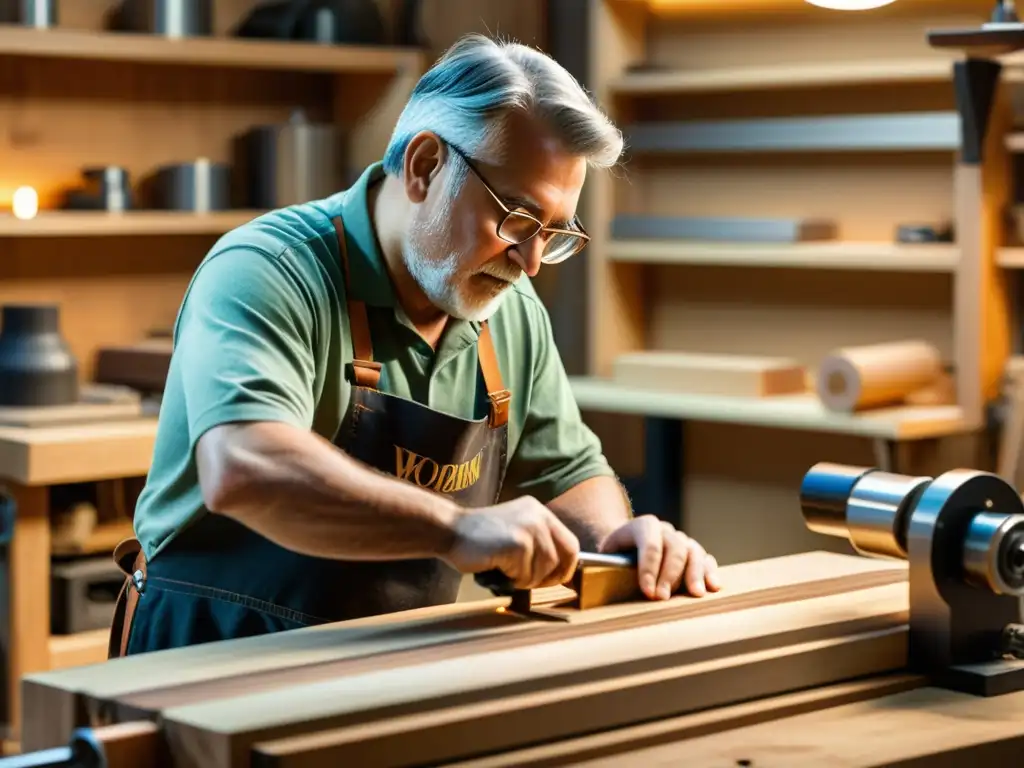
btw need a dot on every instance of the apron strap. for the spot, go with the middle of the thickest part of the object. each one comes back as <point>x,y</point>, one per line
<point>131,560</point>
<point>365,369</point>
<point>499,396</point>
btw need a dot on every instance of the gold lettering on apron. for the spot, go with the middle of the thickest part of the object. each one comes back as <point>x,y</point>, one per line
<point>444,478</point>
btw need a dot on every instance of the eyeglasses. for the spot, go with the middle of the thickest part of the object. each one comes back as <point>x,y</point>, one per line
<point>517,226</point>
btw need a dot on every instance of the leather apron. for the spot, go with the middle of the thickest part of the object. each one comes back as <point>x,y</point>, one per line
<point>220,580</point>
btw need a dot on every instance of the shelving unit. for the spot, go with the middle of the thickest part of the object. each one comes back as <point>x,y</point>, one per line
<point>751,68</point>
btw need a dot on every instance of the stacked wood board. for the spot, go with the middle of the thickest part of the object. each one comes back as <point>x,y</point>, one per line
<point>476,684</point>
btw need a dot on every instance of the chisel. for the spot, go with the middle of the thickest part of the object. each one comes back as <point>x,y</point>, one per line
<point>500,584</point>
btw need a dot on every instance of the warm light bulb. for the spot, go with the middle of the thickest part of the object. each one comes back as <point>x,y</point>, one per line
<point>25,203</point>
<point>850,5</point>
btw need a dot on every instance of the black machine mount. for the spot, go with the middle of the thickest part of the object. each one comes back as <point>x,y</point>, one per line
<point>962,534</point>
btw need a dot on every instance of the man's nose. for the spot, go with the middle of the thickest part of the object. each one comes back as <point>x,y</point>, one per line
<point>527,255</point>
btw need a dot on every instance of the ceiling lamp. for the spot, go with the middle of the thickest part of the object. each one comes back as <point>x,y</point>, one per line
<point>850,5</point>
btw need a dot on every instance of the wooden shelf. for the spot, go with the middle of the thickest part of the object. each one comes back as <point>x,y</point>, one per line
<point>886,257</point>
<point>72,454</point>
<point>205,52</point>
<point>98,223</point>
<point>655,82</point>
<point>799,412</point>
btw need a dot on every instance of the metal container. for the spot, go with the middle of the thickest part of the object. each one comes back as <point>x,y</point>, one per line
<point>38,14</point>
<point>295,162</point>
<point>106,188</point>
<point>200,186</point>
<point>169,18</point>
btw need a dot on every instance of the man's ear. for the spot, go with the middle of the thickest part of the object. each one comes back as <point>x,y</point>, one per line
<point>424,157</point>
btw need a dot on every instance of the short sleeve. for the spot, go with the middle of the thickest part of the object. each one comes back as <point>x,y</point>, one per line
<point>556,449</point>
<point>244,343</point>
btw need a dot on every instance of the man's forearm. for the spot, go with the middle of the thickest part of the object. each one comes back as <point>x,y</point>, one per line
<point>299,491</point>
<point>593,509</point>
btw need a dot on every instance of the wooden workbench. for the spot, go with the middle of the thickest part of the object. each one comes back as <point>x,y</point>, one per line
<point>800,660</point>
<point>32,460</point>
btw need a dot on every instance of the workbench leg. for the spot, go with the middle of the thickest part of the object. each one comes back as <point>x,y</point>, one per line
<point>28,568</point>
<point>659,490</point>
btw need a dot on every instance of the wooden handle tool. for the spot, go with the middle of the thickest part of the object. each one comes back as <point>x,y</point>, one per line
<point>501,585</point>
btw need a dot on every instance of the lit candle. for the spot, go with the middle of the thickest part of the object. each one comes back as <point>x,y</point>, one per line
<point>25,203</point>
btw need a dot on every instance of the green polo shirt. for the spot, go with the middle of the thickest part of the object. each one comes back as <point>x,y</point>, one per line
<point>263,334</point>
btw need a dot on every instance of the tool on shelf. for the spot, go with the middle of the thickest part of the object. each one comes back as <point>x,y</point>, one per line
<point>962,534</point>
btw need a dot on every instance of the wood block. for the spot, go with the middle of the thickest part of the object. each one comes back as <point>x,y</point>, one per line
<point>701,374</point>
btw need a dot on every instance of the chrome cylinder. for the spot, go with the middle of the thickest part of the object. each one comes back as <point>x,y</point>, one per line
<point>867,507</point>
<point>993,554</point>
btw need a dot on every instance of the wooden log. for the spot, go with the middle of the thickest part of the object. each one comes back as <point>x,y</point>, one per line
<point>563,687</point>
<point>56,702</point>
<point>874,375</point>
<point>923,728</point>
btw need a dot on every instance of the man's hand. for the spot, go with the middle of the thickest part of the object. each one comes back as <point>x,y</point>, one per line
<point>522,538</point>
<point>666,558</point>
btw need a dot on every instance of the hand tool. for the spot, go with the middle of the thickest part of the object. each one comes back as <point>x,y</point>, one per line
<point>501,585</point>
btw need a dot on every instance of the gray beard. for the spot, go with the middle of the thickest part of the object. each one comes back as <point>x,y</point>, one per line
<point>439,278</point>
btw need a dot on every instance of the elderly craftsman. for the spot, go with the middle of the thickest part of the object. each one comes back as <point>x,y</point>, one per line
<point>365,401</point>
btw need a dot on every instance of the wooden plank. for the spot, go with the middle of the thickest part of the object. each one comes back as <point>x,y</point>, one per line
<point>151,681</point>
<point>747,585</point>
<point>621,741</point>
<point>614,678</point>
<point>799,412</point>
<point>925,131</point>
<point>573,687</point>
<point>698,374</point>
<point>927,727</point>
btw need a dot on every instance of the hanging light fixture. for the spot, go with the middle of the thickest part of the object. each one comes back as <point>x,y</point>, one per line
<point>850,5</point>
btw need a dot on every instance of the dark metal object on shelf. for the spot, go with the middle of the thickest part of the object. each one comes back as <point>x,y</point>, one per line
<point>350,22</point>
<point>36,365</point>
<point>721,228</point>
<point>919,131</point>
<point>924,233</point>
<point>82,594</point>
<point>295,162</point>
<point>37,14</point>
<point>106,188</point>
<point>168,18</point>
<point>963,536</point>
<point>200,186</point>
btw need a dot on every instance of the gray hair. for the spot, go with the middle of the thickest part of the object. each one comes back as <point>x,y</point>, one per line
<point>466,95</point>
